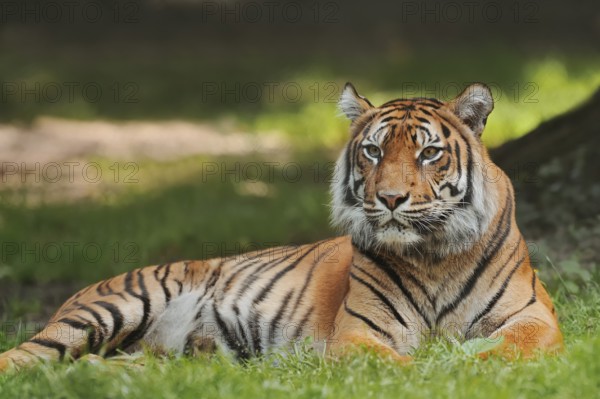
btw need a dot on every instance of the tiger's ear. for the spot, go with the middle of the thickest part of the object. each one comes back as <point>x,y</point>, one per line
<point>353,104</point>
<point>473,106</point>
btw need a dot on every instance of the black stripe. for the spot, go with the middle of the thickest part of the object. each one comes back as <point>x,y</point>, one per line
<point>255,334</point>
<point>93,342</point>
<point>231,339</point>
<point>245,263</point>
<point>83,291</point>
<point>391,118</point>
<point>309,278</point>
<point>391,273</point>
<point>454,191</point>
<point>232,275</point>
<point>349,197</point>
<point>116,315</point>
<point>179,286</point>
<point>303,321</point>
<point>253,259</point>
<point>200,310</point>
<point>104,289</point>
<point>99,289</point>
<point>50,344</point>
<point>503,322</point>
<point>419,285</point>
<point>469,191</point>
<point>385,112</point>
<point>74,323</point>
<point>139,332</point>
<point>275,322</point>
<point>244,338</point>
<point>498,238</point>
<point>363,271</point>
<point>367,321</point>
<point>365,129</point>
<point>214,277</point>
<point>258,273</point>
<point>445,130</point>
<point>379,129</point>
<point>496,296</point>
<point>501,269</point>
<point>382,298</point>
<point>267,289</point>
<point>534,294</point>
<point>458,160</point>
<point>163,280</point>
<point>96,316</point>
<point>446,166</point>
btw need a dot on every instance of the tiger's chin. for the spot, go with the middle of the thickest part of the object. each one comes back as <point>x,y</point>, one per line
<point>396,238</point>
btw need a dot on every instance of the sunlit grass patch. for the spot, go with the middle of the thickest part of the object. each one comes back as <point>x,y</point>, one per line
<point>543,88</point>
<point>440,369</point>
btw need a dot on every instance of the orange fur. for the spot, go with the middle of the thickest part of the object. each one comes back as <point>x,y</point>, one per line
<point>433,249</point>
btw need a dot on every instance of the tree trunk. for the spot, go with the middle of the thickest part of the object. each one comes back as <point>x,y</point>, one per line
<point>556,173</point>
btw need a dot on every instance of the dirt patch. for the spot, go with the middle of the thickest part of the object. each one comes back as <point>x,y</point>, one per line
<point>50,159</point>
<point>52,140</point>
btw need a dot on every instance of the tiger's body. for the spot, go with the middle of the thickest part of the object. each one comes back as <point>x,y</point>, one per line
<point>433,249</point>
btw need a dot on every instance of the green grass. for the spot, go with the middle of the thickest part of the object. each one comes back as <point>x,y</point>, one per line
<point>171,213</point>
<point>294,95</point>
<point>175,211</point>
<point>440,370</point>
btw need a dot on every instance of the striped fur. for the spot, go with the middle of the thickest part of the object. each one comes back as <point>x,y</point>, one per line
<point>432,249</point>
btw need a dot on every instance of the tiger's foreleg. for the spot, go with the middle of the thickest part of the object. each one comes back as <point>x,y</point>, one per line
<point>352,334</point>
<point>351,343</point>
<point>527,332</point>
<point>110,315</point>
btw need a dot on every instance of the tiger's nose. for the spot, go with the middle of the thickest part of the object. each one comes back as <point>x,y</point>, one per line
<point>392,200</point>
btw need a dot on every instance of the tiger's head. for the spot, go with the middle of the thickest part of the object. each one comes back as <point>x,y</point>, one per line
<point>413,176</point>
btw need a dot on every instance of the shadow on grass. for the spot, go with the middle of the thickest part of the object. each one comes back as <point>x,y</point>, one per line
<point>228,211</point>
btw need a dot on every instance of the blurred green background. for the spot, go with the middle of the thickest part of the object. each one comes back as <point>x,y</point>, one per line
<point>264,71</point>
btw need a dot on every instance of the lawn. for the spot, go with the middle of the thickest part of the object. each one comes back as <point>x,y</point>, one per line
<point>176,210</point>
<point>170,214</point>
<point>440,370</point>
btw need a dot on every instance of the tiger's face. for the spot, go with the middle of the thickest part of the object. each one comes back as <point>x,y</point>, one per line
<point>411,177</point>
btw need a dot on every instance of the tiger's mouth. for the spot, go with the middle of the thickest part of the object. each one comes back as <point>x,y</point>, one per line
<point>401,228</point>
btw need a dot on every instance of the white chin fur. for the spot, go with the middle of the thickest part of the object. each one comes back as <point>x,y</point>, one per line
<point>396,239</point>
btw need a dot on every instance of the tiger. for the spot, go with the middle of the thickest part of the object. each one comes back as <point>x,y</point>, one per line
<point>429,248</point>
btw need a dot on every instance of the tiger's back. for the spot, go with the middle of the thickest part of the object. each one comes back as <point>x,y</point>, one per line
<point>247,305</point>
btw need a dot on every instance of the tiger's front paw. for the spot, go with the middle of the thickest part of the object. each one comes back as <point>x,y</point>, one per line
<point>353,344</point>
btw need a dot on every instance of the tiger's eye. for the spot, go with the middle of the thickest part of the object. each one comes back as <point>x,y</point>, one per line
<point>430,152</point>
<point>373,151</point>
